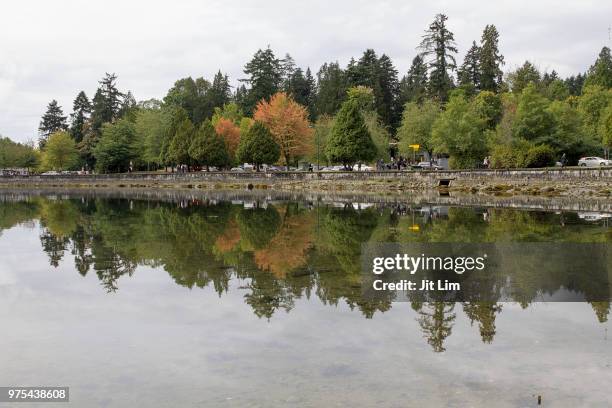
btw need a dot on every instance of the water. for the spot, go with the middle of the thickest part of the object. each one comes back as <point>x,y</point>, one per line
<point>257,301</point>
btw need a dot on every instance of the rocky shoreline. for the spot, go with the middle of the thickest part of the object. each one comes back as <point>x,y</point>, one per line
<point>583,183</point>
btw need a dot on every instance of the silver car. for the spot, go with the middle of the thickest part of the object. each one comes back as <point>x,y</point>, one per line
<point>594,162</point>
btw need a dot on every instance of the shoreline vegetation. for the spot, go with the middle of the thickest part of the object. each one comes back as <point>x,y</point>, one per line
<point>570,183</point>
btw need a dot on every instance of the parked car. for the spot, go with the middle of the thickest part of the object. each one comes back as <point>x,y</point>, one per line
<point>594,162</point>
<point>364,167</point>
<point>50,173</point>
<point>237,169</point>
<point>425,165</point>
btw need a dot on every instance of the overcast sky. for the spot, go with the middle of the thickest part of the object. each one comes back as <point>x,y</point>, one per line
<point>52,50</point>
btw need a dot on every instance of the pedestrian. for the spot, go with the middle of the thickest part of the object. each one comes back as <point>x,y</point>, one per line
<point>563,160</point>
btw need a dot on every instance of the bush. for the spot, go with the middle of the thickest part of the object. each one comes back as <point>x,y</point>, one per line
<point>521,154</point>
<point>540,156</point>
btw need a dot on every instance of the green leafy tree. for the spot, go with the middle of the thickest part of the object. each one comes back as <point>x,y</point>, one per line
<point>591,104</point>
<point>257,146</point>
<point>417,125</point>
<point>60,152</point>
<point>207,148</point>
<point>322,131</point>
<point>230,111</point>
<point>557,90</point>
<point>568,134</point>
<point>350,140</point>
<point>600,73</point>
<point>488,106</point>
<point>413,86</point>
<point>150,129</point>
<point>117,147</point>
<point>193,96</point>
<point>533,119</point>
<point>605,126</point>
<point>490,60</point>
<point>17,155</point>
<point>52,121</point>
<point>459,131</point>
<point>81,109</point>
<point>438,45</point>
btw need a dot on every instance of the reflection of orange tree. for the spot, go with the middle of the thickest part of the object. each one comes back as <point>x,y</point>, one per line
<point>288,249</point>
<point>228,239</point>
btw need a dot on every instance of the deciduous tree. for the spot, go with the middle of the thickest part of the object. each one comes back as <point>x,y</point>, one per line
<point>288,123</point>
<point>60,152</point>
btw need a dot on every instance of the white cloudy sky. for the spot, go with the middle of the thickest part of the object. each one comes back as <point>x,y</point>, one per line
<point>53,49</point>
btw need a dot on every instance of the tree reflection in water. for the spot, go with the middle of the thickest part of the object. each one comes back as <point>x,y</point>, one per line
<point>283,251</point>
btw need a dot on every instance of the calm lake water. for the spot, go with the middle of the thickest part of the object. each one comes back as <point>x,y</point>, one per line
<point>196,302</point>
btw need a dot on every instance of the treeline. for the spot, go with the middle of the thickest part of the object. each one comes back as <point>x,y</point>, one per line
<point>283,113</point>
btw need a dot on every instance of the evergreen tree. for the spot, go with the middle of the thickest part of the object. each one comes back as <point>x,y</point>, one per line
<point>438,45</point>
<point>350,141</point>
<point>575,84</point>
<point>52,121</point>
<point>380,75</point>
<point>600,73</point>
<point>299,88</point>
<point>265,77</point>
<point>220,91</point>
<point>312,94</point>
<point>490,60</point>
<point>288,69</point>
<point>207,148</point>
<point>241,97</point>
<point>413,86</point>
<point>524,75</point>
<point>81,109</point>
<point>387,106</point>
<point>548,79</point>
<point>107,102</point>
<point>331,88</point>
<point>257,146</point>
<point>178,150</point>
<point>128,106</point>
<point>469,72</point>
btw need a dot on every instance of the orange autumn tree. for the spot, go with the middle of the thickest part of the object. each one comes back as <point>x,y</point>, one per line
<point>288,123</point>
<point>230,133</point>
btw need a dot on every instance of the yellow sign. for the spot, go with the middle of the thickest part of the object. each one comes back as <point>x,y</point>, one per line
<point>415,146</point>
<point>415,228</point>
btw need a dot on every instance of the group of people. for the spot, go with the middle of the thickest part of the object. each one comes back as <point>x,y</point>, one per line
<point>395,164</point>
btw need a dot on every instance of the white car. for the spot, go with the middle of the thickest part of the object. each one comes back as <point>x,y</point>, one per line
<point>429,166</point>
<point>594,162</point>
